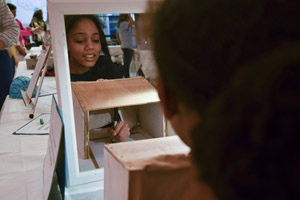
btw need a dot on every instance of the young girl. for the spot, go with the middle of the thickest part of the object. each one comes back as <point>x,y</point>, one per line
<point>88,52</point>
<point>86,41</point>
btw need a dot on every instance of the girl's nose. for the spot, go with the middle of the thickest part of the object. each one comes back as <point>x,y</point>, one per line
<point>89,45</point>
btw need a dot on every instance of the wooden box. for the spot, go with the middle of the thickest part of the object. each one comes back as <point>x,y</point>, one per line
<point>136,99</point>
<point>31,62</point>
<point>157,168</point>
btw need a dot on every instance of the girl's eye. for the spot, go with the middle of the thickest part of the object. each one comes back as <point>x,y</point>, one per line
<point>96,41</point>
<point>80,40</point>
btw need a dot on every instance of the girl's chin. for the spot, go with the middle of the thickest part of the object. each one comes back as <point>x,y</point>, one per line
<point>89,64</point>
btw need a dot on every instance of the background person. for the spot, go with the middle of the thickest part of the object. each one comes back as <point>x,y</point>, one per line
<point>9,34</point>
<point>124,37</point>
<point>24,32</point>
<point>39,27</point>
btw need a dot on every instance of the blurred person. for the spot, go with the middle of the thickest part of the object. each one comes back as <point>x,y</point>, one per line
<point>199,47</point>
<point>124,37</point>
<point>9,35</point>
<point>24,32</point>
<point>248,144</point>
<point>39,26</point>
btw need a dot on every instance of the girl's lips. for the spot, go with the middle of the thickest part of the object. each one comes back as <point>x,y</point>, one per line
<point>89,57</point>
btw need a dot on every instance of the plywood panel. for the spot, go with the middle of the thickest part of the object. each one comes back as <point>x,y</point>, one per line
<point>148,169</point>
<point>151,119</point>
<point>115,174</point>
<point>133,154</point>
<point>105,94</point>
<point>100,118</point>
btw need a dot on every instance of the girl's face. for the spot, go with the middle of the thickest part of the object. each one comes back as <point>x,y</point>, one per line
<point>83,46</point>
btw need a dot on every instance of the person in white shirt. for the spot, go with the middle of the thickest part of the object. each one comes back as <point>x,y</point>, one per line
<point>124,37</point>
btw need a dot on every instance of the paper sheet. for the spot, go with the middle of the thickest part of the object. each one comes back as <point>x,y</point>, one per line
<point>48,87</point>
<point>35,127</point>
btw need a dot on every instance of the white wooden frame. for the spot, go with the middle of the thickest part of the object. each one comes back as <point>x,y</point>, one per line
<point>56,10</point>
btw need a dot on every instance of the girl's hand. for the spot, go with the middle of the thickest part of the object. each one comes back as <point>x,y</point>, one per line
<point>120,133</point>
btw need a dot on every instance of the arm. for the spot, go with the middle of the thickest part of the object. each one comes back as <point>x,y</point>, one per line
<point>2,44</point>
<point>10,30</point>
<point>23,30</point>
<point>131,22</point>
<point>25,33</point>
<point>118,37</point>
<point>36,25</point>
<point>21,50</point>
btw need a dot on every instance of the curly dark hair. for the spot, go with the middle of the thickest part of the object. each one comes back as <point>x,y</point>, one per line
<point>38,14</point>
<point>198,45</point>
<point>235,62</point>
<point>72,20</point>
<point>248,144</point>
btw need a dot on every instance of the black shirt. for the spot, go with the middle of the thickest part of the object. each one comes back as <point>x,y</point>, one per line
<point>103,69</point>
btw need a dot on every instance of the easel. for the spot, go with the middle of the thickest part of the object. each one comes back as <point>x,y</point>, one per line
<point>40,65</point>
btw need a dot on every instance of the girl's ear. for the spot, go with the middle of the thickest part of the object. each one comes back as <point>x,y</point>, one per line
<point>167,99</point>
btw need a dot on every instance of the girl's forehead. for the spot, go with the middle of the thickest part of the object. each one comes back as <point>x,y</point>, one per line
<point>85,25</point>
<point>85,22</point>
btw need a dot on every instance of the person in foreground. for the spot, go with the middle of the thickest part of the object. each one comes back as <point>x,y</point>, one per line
<point>229,84</point>
<point>86,41</point>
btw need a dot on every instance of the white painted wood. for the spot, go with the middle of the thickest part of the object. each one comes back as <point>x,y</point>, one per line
<point>41,79</point>
<point>42,61</point>
<point>99,6</point>
<point>55,134</point>
<point>56,10</point>
<point>79,126</point>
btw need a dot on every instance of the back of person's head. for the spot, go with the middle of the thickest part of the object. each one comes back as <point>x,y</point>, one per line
<point>38,14</point>
<point>198,45</point>
<point>123,17</point>
<point>11,6</point>
<point>72,20</point>
<point>248,144</point>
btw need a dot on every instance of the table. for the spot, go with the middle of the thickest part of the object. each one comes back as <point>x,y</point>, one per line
<point>21,156</point>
